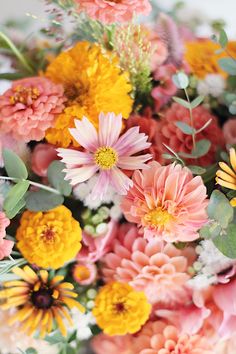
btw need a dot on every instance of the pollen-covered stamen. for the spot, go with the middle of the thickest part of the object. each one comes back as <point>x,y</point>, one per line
<point>24,95</point>
<point>158,218</point>
<point>106,157</point>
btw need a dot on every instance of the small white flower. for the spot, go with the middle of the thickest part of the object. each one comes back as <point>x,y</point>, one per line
<point>213,84</point>
<point>82,323</point>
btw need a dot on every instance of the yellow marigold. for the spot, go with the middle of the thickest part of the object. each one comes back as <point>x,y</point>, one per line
<point>119,309</point>
<point>202,57</point>
<point>49,239</point>
<point>93,83</point>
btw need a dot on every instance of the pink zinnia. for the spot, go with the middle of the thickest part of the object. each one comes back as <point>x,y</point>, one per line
<point>109,11</point>
<point>167,201</point>
<point>5,245</point>
<point>29,108</point>
<point>106,153</point>
<point>158,269</point>
<point>42,156</point>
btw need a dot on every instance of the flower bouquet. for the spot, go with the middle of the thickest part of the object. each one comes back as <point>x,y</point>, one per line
<point>117,183</point>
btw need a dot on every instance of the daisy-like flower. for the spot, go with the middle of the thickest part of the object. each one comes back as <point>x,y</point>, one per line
<point>119,309</point>
<point>42,300</point>
<point>106,153</point>
<point>226,175</point>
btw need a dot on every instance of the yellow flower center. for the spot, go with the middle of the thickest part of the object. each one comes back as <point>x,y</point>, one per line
<point>81,272</point>
<point>106,157</point>
<point>23,94</point>
<point>158,217</point>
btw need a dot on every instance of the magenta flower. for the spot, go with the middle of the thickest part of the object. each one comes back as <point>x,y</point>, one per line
<point>106,153</point>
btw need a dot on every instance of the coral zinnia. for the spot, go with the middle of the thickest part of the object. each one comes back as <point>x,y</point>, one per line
<point>105,152</point>
<point>49,239</point>
<point>30,107</point>
<point>119,309</point>
<point>42,300</point>
<point>167,201</point>
<point>92,81</point>
<point>114,11</point>
<point>158,269</point>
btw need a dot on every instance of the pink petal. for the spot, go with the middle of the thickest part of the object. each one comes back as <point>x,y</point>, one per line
<point>120,181</point>
<point>80,174</point>
<point>109,128</point>
<point>101,185</point>
<point>74,157</point>
<point>85,134</point>
<point>133,162</point>
<point>132,142</point>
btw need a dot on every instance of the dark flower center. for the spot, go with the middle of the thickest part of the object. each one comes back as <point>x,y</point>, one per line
<point>42,298</point>
<point>120,307</point>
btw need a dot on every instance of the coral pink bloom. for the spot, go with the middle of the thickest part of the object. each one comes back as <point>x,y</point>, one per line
<point>167,201</point>
<point>105,152</point>
<point>93,248</point>
<point>84,273</point>
<point>109,11</point>
<point>161,338</point>
<point>104,344</point>
<point>29,108</point>
<point>229,131</point>
<point>158,269</point>
<point>5,245</point>
<point>172,136</point>
<point>19,147</point>
<point>41,158</point>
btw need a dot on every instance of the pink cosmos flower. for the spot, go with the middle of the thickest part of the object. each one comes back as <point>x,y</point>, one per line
<point>29,108</point>
<point>106,153</point>
<point>113,10</point>
<point>84,273</point>
<point>158,269</point>
<point>5,245</point>
<point>167,201</point>
<point>41,158</point>
<point>229,131</point>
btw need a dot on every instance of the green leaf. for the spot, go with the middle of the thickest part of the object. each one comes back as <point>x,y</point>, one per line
<point>14,196</point>
<point>219,209</point>
<point>223,39</point>
<point>197,101</point>
<point>43,200</point>
<point>228,65</point>
<point>14,166</point>
<point>202,147</point>
<point>182,102</point>
<point>31,351</point>
<point>185,128</point>
<point>180,80</point>
<point>197,170</point>
<point>11,76</point>
<point>168,156</point>
<point>17,208</point>
<point>226,244</point>
<point>232,108</point>
<point>56,178</point>
<point>55,338</point>
<point>210,231</point>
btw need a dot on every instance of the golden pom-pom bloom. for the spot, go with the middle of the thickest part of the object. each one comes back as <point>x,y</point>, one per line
<point>93,83</point>
<point>119,309</point>
<point>49,239</point>
<point>40,301</point>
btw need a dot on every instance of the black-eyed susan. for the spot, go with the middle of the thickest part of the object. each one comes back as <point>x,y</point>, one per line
<point>119,309</point>
<point>226,176</point>
<point>40,301</point>
<point>49,239</point>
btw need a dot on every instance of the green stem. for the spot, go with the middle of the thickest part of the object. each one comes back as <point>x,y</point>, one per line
<point>39,185</point>
<point>17,53</point>
<point>191,117</point>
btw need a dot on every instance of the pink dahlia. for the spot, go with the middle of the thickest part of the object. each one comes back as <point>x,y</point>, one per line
<point>172,136</point>
<point>161,338</point>
<point>106,153</point>
<point>5,245</point>
<point>157,268</point>
<point>29,108</point>
<point>167,201</point>
<point>109,11</point>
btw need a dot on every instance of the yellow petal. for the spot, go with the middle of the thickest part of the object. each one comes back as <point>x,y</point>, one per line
<point>225,184</point>
<point>232,157</point>
<point>233,202</point>
<point>65,285</point>
<point>72,303</point>
<point>59,321</point>
<point>44,275</point>
<point>225,176</point>
<point>66,314</point>
<point>227,169</point>
<point>57,279</point>
<point>20,272</point>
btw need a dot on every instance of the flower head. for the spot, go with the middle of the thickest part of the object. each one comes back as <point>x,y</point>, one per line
<point>41,300</point>
<point>5,245</point>
<point>49,239</point>
<point>229,131</point>
<point>41,158</point>
<point>158,269</point>
<point>167,201</point>
<point>84,273</point>
<point>114,11</point>
<point>106,153</point>
<point>226,175</point>
<point>119,309</point>
<point>30,107</point>
<point>91,79</point>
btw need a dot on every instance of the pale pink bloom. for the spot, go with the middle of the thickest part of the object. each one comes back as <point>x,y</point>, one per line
<point>5,245</point>
<point>113,10</point>
<point>30,107</point>
<point>106,153</point>
<point>93,248</point>
<point>158,269</point>
<point>104,344</point>
<point>159,337</point>
<point>229,131</point>
<point>41,158</point>
<point>19,147</point>
<point>167,202</point>
<point>84,273</point>
<point>226,346</point>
